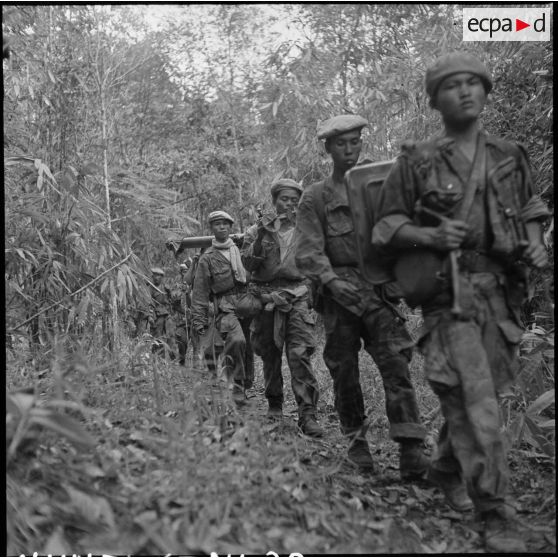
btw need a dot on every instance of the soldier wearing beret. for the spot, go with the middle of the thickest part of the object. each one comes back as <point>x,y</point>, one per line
<point>221,279</point>
<point>353,309</point>
<point>285,319</point>
<point>468,195</point>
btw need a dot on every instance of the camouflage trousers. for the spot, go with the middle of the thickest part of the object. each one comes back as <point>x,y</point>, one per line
<point>388,342</point>
<point>234,346</point>
<point>213,352</point>
<point>299,344</point>
<point>467,362</point>
<point>182,335</point>
<point>164,329</point>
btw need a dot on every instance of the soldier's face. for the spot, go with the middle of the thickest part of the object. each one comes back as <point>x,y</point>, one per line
<point>345,149</point>
<point>221,229</point>
<point>157,278</point>
<point>460,98</point>
<point>286,201</point>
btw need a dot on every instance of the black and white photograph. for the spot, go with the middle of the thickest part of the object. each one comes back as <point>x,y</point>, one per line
<point>279,279</point>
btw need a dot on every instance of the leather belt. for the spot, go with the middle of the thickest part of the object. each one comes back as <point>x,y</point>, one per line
<point>238,289</point>
<point>478,262</point>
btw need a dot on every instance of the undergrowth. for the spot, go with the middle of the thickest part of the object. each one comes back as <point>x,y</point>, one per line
<point>156,459</point>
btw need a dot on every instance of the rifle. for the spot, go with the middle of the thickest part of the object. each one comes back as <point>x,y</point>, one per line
<point>178,246</point>
<point>456,309</point>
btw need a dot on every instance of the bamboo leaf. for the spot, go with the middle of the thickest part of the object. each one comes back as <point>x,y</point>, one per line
<point>541,403</point>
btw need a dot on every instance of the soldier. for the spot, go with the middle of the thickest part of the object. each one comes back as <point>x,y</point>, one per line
<point>221,278</point>
<point>285,320</point>
<point>353,308</point>
<point>481,187</point>
<point>162,324</point>
<point>181,302</point>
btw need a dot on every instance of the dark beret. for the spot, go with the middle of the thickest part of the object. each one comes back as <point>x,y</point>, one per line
<point>283,184</point>
<point>214,215</point>
<point>340,124</point>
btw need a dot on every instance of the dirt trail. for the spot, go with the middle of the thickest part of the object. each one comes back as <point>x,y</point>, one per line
<point>185,472</point>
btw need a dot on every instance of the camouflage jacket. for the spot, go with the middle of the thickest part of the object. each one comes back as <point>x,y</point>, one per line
<point>435,173</point>
<point>160,301</point>
<point>327,250</point>
<point>270,263</point>
<point>214,278</point>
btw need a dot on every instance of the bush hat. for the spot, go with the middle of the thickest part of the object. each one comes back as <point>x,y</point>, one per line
<point>157,271</point>
<point>455,63</point>
<point>340,124</point>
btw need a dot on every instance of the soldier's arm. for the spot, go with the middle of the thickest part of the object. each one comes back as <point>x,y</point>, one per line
<point>251,254</point>
<point>310,256</point>
<point>200,296</point>
<point>533,212</point>
<point>396,208</point>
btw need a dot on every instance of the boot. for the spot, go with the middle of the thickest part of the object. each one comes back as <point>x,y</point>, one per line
<point>454,489</point>
<point>238,395</point>
<point>413,463</point>
<point>309,426</point>
<point>359,452</point>
<point>275,412</point>
<point>359,455</point>
<point>503,532</point>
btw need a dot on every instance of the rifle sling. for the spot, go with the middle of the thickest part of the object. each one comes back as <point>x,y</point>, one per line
<point>477,179</point>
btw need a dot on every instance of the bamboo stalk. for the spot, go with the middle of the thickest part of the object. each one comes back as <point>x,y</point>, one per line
<point>58,303</point>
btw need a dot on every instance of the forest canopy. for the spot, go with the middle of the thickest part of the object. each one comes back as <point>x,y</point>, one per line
<point>125,125</point>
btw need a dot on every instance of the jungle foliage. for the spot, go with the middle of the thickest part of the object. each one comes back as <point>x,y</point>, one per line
<point>124,127</point>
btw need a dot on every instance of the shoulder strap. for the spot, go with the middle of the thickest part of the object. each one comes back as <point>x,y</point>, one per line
<point>318,201</point>
<point>476,179</point>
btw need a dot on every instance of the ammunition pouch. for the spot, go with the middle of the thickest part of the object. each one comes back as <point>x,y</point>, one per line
<point>248,305</point>
<point>421,275</point>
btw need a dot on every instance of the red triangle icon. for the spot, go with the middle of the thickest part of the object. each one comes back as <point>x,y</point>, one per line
<point>519,25</point>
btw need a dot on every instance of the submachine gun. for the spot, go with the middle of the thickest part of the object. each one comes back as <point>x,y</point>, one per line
<point>178,246</point>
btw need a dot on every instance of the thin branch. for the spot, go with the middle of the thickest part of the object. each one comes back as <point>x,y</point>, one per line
<point>59,303</point>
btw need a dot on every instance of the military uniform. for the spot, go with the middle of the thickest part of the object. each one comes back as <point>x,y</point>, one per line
<point>471,354</point>
<point>215,281</point>
<point>285,320</point>
<point>468,360</point>
<point>326,253</point>
<point>162,326</point>
<point>181,302</point>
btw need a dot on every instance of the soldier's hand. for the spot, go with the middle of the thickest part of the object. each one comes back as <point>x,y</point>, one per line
<point>344,292</point>
<point>535,254</point>
<point>449,234</point>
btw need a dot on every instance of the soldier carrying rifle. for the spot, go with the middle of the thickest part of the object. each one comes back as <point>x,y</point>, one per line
<point>470,196</point>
